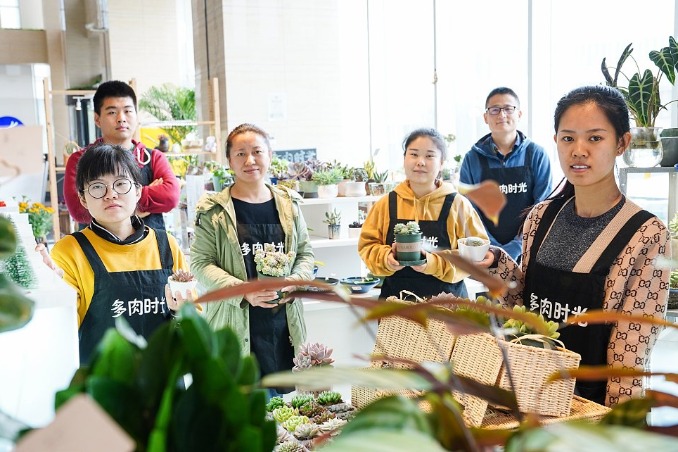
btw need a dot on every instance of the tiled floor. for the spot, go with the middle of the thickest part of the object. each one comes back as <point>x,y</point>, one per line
<point>664,358</point>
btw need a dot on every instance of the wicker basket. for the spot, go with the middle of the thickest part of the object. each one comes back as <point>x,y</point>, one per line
<point>476,356</point>
<point>404,339</point>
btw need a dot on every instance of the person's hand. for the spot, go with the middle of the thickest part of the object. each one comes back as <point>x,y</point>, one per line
<point>487,260</point>
<point>47,259</point>
<point>391,261</point>
<point>157,181</point>
<point>421,268</point>
<point>174,301</point>
<point>263,298</point>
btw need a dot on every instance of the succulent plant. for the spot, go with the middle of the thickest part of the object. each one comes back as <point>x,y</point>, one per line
<point>300,400</point>
<point>331,425</point>
<point>311,409</point>
<point>293,422</point>
<point>283,435</point>
<point>182,276</point>
<point>306,431</point>
<point>275,402</point>
<point>310,355</point>
<point>323,417</point>
<point>340,408</point>
<point>411,227</point>
<point>474,241</point>
<point>329,398</point>
<point>290,446</point>
<point>522,329</point>
<point>284,413</point>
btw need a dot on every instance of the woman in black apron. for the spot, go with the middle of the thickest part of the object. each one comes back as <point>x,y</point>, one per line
<point>443,216</point>
<point>230,227</point>
<point>590,248</point>
<point>118,265</point>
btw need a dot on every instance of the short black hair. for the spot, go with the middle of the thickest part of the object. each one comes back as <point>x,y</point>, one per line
<point>100,159</point>
<point>113,88</point>
<point>502,90</point>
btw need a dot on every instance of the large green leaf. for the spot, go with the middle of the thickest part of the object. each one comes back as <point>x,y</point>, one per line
<point>196,423</point>
<point>16,309</point>
<point>116,358</point>
<point>665,62</point>
<point>394,412</point>
<point>121,402</point>
<point>198,338</point>
<point>163,351</point>
<point>7,238</point>
<point>643,98</point>
<point>229,350</point>
<point>576,436</point>
<point>378,439</point>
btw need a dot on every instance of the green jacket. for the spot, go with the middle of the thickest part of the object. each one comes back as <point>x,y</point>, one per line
<point>217,261</point>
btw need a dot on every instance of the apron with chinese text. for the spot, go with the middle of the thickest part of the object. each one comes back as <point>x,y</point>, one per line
<point>270,340</point>
<point>138,296</point>
<point>559,294</point>
<point>414,281</point>
<point>517,184</point>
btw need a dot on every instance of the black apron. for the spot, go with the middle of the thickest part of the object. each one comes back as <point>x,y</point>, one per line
<point>154,220</point>
<point>270,340</point>
<point>517,184</point>
<point>411,280</point>
<point>138,296</point>
<point>559,294</point>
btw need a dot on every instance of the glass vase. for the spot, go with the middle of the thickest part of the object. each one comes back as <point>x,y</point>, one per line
<point>645,149</point>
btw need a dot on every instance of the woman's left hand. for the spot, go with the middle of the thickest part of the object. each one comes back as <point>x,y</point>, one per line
<point>174,301</point>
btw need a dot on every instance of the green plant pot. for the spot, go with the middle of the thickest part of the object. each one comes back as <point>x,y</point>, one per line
<point>309,188</point>
<point>408,247</point>
<point>669,147</point>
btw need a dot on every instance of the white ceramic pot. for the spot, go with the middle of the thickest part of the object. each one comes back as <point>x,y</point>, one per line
<point>354,232</point>
<point>182,287</point>
<point>473,252</point>
<point>328,191</point>
<point>353,188</point>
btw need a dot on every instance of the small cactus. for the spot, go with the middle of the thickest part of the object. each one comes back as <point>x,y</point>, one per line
<point>300,400</point>
<point>329,398</point>
<point>275,402</point>
<point>284,413</point>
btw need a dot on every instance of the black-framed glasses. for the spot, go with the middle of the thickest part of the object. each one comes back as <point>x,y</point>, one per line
<point>98,190</point>
<point>509,110</point>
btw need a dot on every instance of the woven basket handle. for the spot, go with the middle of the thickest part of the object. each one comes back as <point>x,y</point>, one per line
<point>538,338</point>
<point>407,293</point>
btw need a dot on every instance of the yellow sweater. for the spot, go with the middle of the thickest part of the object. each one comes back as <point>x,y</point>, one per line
<point>142,255</point>
<point>463,221</point>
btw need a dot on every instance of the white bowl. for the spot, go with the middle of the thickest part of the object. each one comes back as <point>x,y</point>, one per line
<point>182,287</point>
<point>474,253</point>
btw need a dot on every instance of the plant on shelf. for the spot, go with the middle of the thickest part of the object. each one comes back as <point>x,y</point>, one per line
<point>332,217</point>
<point>279,168</point>
<point>222,176</point>
<point>358,174</point>
<point>355,224</point>
<point>40,218</point>
<point>328,177</point>
<point>168,102</point>
<point>642,92</point>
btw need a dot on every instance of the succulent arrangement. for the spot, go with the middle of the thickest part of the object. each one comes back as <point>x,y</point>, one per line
<point>310,355</point>
<point>328,177</point>
<point>474,241</point>
<point>521,328</point>
<point>411,228</point>
<point>182,276</point>
<point>271,262</point>
<point>306,418</point>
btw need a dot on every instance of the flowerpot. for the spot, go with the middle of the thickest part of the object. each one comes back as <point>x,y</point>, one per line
<point>309,188</point>
<point>645,149</point>
<point>341,187</point>
<point>333,231</point>
<point>354,232</point>
<point>669,147</point>
<point>218,183</point>
<point>280,293</point>
<point>355,189</point>
<point>376,188</point>
<point>473,248</point>
<point>328,191</point>
<point>408,247</point>
<point>182,286</point>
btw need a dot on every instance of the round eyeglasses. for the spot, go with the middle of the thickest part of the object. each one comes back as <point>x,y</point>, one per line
<point>98,190</point>
<point>509,110</point>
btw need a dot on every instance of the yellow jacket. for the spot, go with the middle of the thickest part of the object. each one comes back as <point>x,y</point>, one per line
<point>143,255</point>
<point>462,222</point>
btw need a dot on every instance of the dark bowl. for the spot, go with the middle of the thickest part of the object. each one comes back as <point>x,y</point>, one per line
<point>322,279</point>
<point>359,284</point>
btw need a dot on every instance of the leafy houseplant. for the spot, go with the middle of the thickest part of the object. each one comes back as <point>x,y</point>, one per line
<point>171,103</point>
<point>328,177</point>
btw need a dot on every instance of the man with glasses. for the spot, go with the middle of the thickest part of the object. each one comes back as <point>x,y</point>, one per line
<point>115,113</point>
<point>521,168</point>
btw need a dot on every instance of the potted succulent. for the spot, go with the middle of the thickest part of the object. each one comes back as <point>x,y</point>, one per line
<point>222,177</point>
<point>328,180</point>
<point>272,263</point>
<point>408,243</point>
<point>473,248</point>
<point>354,229</point>
<point>644,101</point>
<point>356,185</point>
<point>278,169</point>
<point>182,281</point>
<point>377,185</point>
<point>333,220</point>
<point>303,172</point>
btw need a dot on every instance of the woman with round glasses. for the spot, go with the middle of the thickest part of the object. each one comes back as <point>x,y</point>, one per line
<point>518,164</point>
<point>117,265</point>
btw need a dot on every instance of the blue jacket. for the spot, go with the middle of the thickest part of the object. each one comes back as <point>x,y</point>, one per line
<point>540,166</point>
